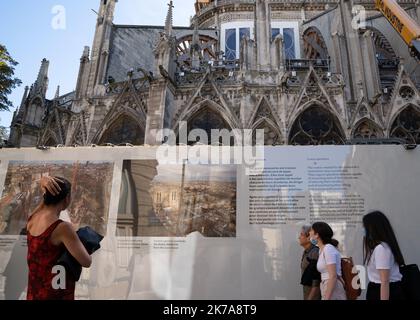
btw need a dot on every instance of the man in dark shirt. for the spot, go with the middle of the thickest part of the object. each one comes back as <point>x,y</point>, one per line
<point>310,276</point>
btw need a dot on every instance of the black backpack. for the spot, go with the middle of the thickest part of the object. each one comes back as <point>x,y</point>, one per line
<point>411,281</point>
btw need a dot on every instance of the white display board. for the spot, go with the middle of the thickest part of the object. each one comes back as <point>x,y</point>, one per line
<point>186,229</point>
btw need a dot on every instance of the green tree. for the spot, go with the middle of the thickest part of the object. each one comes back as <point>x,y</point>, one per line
<point>7,80</point>
<point>3,135</point>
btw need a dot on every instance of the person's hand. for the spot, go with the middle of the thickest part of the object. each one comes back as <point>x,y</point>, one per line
<point>51,185</point>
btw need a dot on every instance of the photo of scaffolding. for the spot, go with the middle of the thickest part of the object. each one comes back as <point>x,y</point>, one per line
<point>176,200</point>
<point>91,190</point>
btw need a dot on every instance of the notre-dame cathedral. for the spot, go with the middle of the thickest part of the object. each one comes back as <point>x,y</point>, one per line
<point>306,72</point>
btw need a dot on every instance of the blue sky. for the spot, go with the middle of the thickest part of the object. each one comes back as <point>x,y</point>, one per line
<point>26,30</point>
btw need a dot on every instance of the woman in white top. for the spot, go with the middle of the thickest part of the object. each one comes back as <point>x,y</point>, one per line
<point>383,256</point>
<point>329,262</point>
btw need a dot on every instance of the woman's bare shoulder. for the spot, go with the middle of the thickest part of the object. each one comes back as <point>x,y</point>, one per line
<point>65,228</point>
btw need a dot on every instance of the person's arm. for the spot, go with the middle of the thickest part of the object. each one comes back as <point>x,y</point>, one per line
<point>383,265</point>
<point>314,293</point>
<point>71,241</point>
<point>332,280</point>
<point>384,275</point>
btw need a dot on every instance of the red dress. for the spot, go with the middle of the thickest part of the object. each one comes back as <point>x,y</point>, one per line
<point>42,257</point>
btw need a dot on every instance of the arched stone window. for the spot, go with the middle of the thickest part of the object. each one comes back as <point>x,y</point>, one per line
<point>206,120</point>
<point>206,50</point>
<point>50,142</point>
<point>271,135</point>
<point>314,44</point>
<point>316,126</point>
<point>123,130</point>
<point>407,125</point>
<point>366,129</point>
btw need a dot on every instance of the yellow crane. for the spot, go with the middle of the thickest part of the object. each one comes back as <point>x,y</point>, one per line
<point>406,26</point>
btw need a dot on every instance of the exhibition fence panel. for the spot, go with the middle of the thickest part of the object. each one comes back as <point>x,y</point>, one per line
<point>207,222</point>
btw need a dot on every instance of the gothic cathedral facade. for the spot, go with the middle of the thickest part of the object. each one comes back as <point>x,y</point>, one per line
<point>305,72</point>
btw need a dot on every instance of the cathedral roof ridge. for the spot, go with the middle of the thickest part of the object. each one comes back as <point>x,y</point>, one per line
<point>129,26</point>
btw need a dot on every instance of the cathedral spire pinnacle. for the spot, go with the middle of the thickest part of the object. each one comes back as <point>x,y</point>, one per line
<point>57,93</point>
<point>106,11</point>
<point>43,71</point>
<point>41,84</point>
<point>169,19</point>
<point>85,54</point>
<point>25,96</point>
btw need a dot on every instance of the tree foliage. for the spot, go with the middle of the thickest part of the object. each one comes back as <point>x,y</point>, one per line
<point>7,80</point>
<point>3,135</point>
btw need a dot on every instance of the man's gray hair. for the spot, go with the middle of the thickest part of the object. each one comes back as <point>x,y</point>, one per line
<point>306,228</point>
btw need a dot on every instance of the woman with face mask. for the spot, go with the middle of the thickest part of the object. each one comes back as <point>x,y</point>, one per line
<point>329,262</point>
<point>48,237</point>
<point>383,256</point>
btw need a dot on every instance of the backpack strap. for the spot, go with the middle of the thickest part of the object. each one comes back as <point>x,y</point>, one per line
<point>340,278</point>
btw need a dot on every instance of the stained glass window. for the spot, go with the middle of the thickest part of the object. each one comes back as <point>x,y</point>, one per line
<point>230,48</point>
<point>244,32</point>
<point>207,120</point>
<point>289,43</point>
<point>124,130</point>
<point>315,126</point>
<point>407,126</point>
<point>274,33</point>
